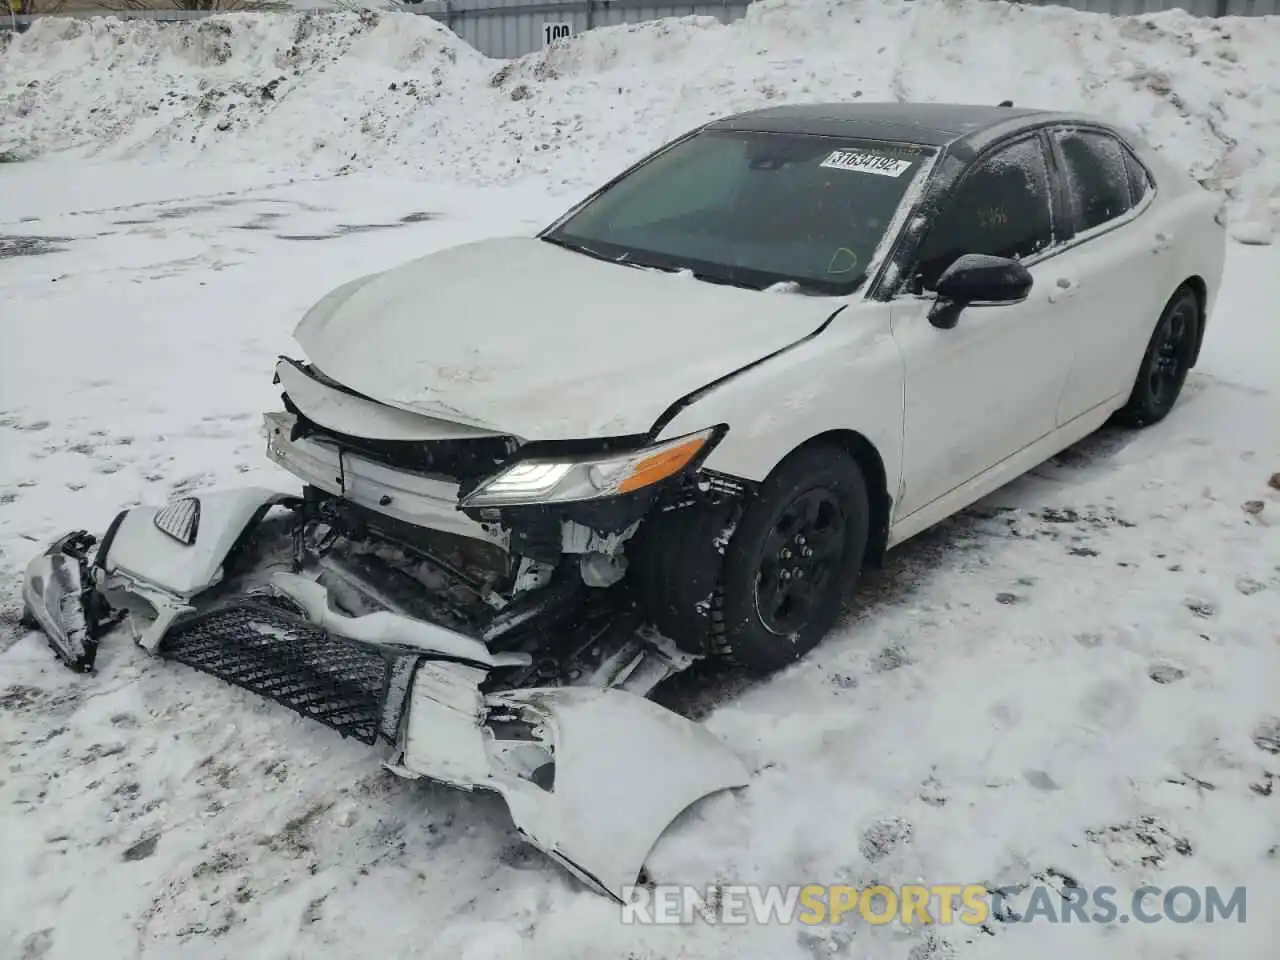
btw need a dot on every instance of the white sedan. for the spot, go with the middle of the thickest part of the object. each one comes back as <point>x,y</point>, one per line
<point>780,345</point>
<point>542,474</point>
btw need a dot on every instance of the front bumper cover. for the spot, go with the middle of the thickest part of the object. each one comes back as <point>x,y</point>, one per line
<point>592,776</point>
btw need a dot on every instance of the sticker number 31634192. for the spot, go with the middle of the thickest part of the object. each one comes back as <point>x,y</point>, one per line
<point>862,162</point>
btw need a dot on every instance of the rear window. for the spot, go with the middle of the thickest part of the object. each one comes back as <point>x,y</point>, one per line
<point>753,209</point>
<point>1096,175</point>
<point>1139,179</point>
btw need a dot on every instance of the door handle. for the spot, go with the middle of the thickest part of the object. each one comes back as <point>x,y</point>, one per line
<point>1063,288</point>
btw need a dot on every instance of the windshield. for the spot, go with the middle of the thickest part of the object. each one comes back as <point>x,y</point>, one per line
<point>752,209</point>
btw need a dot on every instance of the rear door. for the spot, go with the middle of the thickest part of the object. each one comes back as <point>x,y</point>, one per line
<point>1110,271</point>
<point>980,392</point>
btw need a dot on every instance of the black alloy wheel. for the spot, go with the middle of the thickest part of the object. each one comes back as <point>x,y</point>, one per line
<point>1169,357</point>
<point>801,554</point>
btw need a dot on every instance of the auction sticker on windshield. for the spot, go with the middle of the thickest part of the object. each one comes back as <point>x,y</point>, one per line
<point>864,162</point>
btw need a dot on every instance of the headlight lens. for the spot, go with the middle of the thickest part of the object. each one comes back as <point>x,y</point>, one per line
<point>590,478</point>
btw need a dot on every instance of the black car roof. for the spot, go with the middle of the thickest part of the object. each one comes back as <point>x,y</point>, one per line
<point>928,124</point>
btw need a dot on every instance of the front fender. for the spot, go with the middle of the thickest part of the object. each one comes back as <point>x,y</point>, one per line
<point>848,378</point>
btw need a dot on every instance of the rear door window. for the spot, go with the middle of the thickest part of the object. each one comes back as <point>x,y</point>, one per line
<point>1097,176</point>
<point>1139,179</point>
<point>1001,208</point>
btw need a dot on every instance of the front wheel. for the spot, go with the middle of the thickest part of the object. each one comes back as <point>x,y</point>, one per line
<point>793,559</point>
<point>1165,364</point>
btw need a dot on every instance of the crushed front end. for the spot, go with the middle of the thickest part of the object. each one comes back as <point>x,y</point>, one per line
<point>485,645</point>
<point>528,524</point>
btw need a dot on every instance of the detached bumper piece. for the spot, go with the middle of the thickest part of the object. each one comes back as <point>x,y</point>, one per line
<point>591,777</point>
<point>59,597</point>
<point>592,774</point>
<point>260,647</point>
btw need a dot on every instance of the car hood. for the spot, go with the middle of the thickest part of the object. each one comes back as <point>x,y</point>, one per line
<point>521,336</point>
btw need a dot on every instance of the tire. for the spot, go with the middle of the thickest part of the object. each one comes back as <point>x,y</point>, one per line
<point>702,594</point>
<point>1169,355</point>
<point>761,631</point>
<point>675,564</point>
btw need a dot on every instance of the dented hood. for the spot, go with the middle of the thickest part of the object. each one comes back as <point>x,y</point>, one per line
<point>521,336</point>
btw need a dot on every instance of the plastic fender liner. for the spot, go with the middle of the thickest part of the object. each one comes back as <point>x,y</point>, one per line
<point>592,777</point>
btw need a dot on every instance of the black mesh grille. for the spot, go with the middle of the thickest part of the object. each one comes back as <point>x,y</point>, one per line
<point>268,651</point>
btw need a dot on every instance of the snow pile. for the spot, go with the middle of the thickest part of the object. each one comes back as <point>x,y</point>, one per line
<point>287,90</point>
<point>1201,89</point>
<point>327,90</point>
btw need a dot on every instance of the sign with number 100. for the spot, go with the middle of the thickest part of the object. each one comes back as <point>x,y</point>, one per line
<point>551,32</point>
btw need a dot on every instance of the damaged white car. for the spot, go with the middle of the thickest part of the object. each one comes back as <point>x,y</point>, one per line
<point>539,475</point>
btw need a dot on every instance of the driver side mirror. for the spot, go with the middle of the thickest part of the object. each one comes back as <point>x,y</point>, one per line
<point>978,278</point>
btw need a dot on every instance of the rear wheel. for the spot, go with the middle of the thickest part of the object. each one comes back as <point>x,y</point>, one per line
<point>1165,365</point>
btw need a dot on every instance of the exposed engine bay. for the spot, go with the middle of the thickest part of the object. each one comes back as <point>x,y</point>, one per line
<point>538,503</point>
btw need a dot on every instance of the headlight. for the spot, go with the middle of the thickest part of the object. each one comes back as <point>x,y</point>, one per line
<point>589,478</point>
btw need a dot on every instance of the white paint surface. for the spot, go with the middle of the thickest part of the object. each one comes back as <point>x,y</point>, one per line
<point>525,337</point>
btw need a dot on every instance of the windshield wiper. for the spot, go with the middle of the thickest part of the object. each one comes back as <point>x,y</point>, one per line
<point>628,259</point>
<point>577,247</point>
<point>723,281</point>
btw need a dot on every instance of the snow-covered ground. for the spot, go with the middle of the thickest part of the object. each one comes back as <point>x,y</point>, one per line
<point>1078,676</point>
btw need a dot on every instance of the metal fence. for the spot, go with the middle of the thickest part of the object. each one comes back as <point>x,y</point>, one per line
<point>1198,8</point>
<point>512,28</point>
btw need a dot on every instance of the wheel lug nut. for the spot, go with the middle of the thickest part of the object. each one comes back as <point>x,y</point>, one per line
<point>806,552</point>
<point>786,574</point>
<point>800,540</point>
<point>785,554</point>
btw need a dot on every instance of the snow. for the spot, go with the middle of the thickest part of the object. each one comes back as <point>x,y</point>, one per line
<point>1255,232</point>
<point>1014,694</point>
<point>326,91</point>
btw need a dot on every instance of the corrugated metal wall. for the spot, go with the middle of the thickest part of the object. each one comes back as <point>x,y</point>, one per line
<point>1199,8</point>
<point>512,28</point>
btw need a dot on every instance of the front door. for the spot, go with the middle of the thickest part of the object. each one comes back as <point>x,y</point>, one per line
<point>983,390</point>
